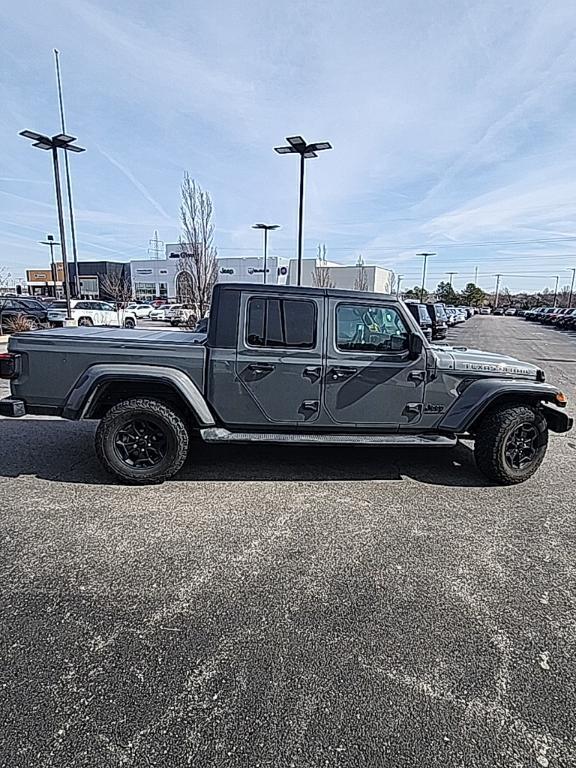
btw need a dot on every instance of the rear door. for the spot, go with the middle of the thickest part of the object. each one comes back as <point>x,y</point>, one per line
<point>371,379</point>
<point>279,358</point>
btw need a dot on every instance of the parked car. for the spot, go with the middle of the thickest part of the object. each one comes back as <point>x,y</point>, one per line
<point>511,311</point>
<point>159,313</point>
<point>439,319</point>
<point>498,311</point>
<point>485,310</point>
<point>420,314</point>
<point>284,365</point>
<point>566,318</point>
<point>32,310</point>
<point>140,310</point>
<point>546,317</point>
<point>183,314</point>
<point>91,313</point>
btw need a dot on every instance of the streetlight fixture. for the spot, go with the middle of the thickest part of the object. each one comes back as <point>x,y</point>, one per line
<point>266,228</point>
<point>425,255</point>
<point>53,144</point>
<point>297,145</point>
<point>451,275</point>
<point>50,242</point>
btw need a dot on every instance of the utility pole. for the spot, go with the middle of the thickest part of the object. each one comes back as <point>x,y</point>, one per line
<point>556,289</point>
<point>475,275</point>
<point>571,287</point>
<point>398,283</point>
<point>497,293</point>
<point>68,182</point>
<point>422,289</point>
<point>451,274</point>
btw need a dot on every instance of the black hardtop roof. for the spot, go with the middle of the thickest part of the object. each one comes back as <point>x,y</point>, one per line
<point>338,293</point>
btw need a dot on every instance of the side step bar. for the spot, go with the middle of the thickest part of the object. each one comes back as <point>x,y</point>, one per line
<point>221,435</point>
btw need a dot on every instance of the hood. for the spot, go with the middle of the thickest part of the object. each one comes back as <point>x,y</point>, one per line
<point>477,362</point>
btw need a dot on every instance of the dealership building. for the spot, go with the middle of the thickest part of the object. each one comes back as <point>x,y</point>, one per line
<point>159,278</point>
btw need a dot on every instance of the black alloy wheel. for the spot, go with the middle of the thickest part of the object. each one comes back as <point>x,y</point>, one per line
<point>522,446</point>
<point>141,444</point>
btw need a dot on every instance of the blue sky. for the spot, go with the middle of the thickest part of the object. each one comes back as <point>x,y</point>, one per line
<point>453,124</point>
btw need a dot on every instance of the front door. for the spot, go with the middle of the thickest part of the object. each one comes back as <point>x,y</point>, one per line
<point>279,359</point>
<point>370,378</point>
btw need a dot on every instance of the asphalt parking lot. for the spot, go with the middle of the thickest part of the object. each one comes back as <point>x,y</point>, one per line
<point>288,607</point>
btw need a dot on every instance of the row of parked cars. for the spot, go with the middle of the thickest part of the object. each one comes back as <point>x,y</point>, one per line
<point>175,314</point>
<point>435,317</point>
<point>561,317</point>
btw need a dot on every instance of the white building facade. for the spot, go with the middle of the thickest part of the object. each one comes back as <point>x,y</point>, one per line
<point>158,278</point>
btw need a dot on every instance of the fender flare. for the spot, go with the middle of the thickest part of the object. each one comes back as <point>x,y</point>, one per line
<point>483,393</point>
<point>83,394</point>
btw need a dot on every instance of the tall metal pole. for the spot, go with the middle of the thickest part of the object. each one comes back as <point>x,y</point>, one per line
<point>398,282</point>
<point>53,266</point>
<point>451,276</point>
<point>68,182</point>
<point>301,218</point>
<point>556,289</point>
<point>571,288</point>
<point>62,231</point>
<point>423,277</point>
<point>497,292</point>
<point>475,275</point>
<point>266,253</point>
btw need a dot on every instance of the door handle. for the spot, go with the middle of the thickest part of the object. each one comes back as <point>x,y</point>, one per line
<point>418,377</point>
<point>261,368</point>
<point>312,372</point>
<point>342,372</point>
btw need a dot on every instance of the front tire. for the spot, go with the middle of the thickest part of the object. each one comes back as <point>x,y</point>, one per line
<point>129,323</point>
<point>142,441</point>
<point>511,444</point>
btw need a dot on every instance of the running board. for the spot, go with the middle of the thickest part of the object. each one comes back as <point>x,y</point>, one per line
<point>220,435</point>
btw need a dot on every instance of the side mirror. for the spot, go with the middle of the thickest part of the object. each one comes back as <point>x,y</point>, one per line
<point>416,345</point>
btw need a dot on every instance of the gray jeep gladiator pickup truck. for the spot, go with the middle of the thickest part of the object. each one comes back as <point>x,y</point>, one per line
<point>284,365</point>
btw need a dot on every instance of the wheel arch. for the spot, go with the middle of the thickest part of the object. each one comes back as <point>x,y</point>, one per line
<point>486,395</point>
<point>102,386</point>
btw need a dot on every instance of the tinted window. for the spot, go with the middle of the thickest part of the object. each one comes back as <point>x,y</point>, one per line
<point>440,313</point>
<point>58,305</point>
<point>370,329</point>
<point>281,323</point>
<point>82,305</point>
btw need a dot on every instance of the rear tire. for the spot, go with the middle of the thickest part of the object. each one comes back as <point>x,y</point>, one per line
<point>142,442</point>
<point>511,444</point>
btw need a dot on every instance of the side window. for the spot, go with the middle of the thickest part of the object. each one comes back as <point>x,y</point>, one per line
<point>281,323</point>
<point>364,328</point>
<point>82,305</point>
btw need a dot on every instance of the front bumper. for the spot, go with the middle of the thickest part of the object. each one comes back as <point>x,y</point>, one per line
<point>557,420</point>
<point>10,406</point>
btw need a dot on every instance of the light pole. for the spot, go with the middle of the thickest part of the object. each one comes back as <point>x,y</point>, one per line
<point>50,242</point>
<point>297,145</point>
<point>68,182</point>
<point>266,228</point>
<point>53,144</point>
<point>476,276</point>
<point>556,289</point>
<point>425,255</point>
<point>398,283</point>
<point>570,269</point>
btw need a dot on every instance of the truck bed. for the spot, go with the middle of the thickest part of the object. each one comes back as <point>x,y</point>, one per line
<point>61,355</point>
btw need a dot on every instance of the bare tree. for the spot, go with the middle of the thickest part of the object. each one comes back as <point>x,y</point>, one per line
<point>197,262</point>
<point>118,288</point>
<point>361,282</point>
<point>321,275</point>
<point>5,278</point>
